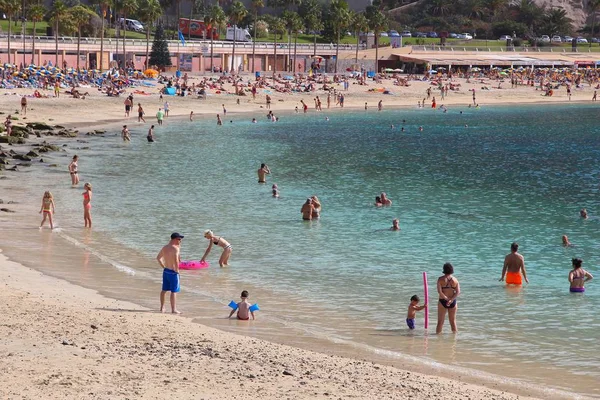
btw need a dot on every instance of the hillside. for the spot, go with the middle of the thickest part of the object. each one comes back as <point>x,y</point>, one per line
<point>576,9</point>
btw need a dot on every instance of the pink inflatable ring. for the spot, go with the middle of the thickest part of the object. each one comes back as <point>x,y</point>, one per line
<point>193,264</point>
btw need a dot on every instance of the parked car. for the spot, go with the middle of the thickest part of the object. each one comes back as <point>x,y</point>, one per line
<point>383,34</point>
<point>432,34</point>
<point>393,33</point>
<point>420,35</point>
<point>505,37</point>
<point>595,40</point>
<point>545,39</point>
<point>581,39</point>
<point>453,36</point>
<point>132,24</point>
<point>567,39</point>
<point>466,36</point>
<point>556,39</point>
<point>406,34</point>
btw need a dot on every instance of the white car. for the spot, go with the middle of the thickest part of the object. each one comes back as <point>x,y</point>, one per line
<point>556,39</point>
<point>406,34</point>
<point>383,34</point>
<point>545,39</point>
<point>505,37</point>
<point>581,40</point>
<point>465,36</point>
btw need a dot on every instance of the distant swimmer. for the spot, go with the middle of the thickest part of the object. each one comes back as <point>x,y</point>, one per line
<point>448,290</point>
<point>578,276</point>
<point>583,213</point>
<point>219,121</point>
<point>366,107</point>
<point>217,241</point>
<point>395,225</point>
<point>514,266</point>
<point>378,202</point>
<point>87,205</point>
<point>420,129</point>
<point>307,210</point>
<point>150,136</point>
<point>169,258</point>
<point>125,134</point>
<point>263,171</point>
<point>402,129</point>
<point>254,121</point>
<point>565,241</point>
<point>275,190</point>
<point>316,207</point>
<point>326,118</point>
<point>384,200</point>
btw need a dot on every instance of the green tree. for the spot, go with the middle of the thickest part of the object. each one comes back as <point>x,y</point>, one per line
<point>80,16</point>
<point>359,24</point>
<point>128,7</point>
<point>339,16</point>
<point>555,21</point>
<point>35,13</point>
<point>311,12</point>
<point>104,7</point>
<point>160,55</point>
<point>528,13</point>
<point>440,7</point>
<point>149,12</point>
<point>237,13</point>
<point>58,11</point>
<point>256,5</point>
<point>378,22</point>
<point>216,18</point>
<point>10,8</point>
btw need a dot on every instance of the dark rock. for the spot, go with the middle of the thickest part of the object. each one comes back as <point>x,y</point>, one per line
<point>53,165</point>
<point>58,127</point>
<point>33,154</point>
<point>21,157</point>
<point>93,326</point>
<point>13,168</point>
<point>12,202</point>
<point>24,164</point>
<point>21,131</point>
<point>3,161</point>
<point>6,210</point>
<point>67,133</point>
<point>39,126</point>
<point>41,160</point>
<point>12,140</point>
<point>288,373</point>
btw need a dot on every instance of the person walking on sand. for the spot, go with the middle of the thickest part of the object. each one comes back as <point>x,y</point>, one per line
<point>128,105</point>
<point>169,258</point>
<point>263,171</point>
<point>24,105</point>
<point>218,241</point>
<point>47,209</point>
<point>595,95</point>
<point>448,290</point>
<point>87,205</point>
<point>160,115</point>
<point>125,134</point>
<point>141,113</point>
<point>73,170</point>
<point>514,266</point>
<point>268,99</point>
<point>578,276</point>
<point>307,210</point>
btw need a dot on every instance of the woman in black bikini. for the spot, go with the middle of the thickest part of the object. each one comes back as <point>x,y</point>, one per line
<point>448,289</point>
<point>218,241</point>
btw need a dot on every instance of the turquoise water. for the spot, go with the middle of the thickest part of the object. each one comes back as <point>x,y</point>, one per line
<point>462,193</point>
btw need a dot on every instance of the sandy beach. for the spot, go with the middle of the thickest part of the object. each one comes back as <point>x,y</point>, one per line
<point>65,341</point>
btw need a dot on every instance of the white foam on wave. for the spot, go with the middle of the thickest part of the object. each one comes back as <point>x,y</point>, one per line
<point>72,240</point>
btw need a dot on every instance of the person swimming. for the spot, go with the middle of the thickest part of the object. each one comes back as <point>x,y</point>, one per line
<point>565,241</point>
<point>275,190</point>
<point>578,276</point>
<point>583,213</point>
<point>378,202</point>
<point>395,225</point>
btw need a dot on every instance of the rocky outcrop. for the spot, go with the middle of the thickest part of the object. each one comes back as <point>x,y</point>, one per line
<point>577,10</point>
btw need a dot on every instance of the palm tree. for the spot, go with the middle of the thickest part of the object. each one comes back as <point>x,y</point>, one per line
<point>593,7</point>
<point>359,24</point>
<point>58,11</point>
<point>216,17</point>
<point>378,22</point>
<point>10,8</point>
<point>237,13</point>
<point>277,26</point>
<point>556,20</point>
<point>340,18</point>
<point>297,25</point>
<point>79,16</point>
<point>36,14</point>
<point>255,5</point>
<point>150,10</point>
<point>104,6</point>
<point>128,7</point>
<point>441,7</point>
<point>311,12</point>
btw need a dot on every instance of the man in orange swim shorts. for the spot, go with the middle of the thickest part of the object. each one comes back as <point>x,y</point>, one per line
<point>514,266</point>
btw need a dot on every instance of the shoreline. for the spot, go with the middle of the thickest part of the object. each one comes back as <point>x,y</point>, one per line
<point>96,335</point>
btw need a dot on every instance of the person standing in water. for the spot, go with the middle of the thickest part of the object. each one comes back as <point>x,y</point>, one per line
<point>87,205</point>
<point>578,276</point>
<point>307,210</point>
<point>514,266</point>
<point>218,241</point>
<point>380,105</point>
<point>150,136</point>
<point>125,134</point>
<point>169,258</point>
<point>448,290</point>
<point>160,115</point>
<point>47,209</point>
<point>263,171</point>
<point>73,171</point>
<point>141,113</point>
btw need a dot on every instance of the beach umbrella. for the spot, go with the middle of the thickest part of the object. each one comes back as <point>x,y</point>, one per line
<point>151,73</point>
<point>59,75</point>
<point>432,71</point>
<point>398,70</point>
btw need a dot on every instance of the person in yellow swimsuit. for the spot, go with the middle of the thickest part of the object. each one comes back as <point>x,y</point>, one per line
<point>47,209</point>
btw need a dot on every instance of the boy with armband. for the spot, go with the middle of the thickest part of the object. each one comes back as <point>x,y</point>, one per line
<point>243,308</point>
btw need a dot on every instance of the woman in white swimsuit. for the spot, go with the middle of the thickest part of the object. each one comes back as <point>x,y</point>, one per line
<point>218,241</point>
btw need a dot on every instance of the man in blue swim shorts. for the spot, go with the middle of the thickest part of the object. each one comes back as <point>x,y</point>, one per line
<point>169,259</point>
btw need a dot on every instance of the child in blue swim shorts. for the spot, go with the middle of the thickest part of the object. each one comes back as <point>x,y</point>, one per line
<point>413,307</point>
